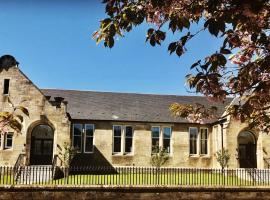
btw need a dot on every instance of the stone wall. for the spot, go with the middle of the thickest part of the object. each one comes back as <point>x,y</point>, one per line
<point>185,193</point>
<point>41,112</point>
<point>141,155</point>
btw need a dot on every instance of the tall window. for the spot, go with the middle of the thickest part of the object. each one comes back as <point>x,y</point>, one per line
<point>204,141</point>
<point>117,135</point>
<point>128,139</point>
<point>193,137</point>
<point>167,131</point>
<point>155,138</point>
<point>8,140</point>
<point>6,86</point>
<point>88,138</point>
<point>77,136</point>
<point>122,139</point>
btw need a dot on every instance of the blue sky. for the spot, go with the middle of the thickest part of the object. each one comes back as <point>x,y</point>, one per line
<point>52,41</point>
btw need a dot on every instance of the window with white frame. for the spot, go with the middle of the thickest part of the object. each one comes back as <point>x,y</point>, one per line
<point>122,139</point>
<point>167,132</point>
<point>193,140</point>
<point>8,141</point>
<point>155,138</point>
<point>161,137</point>
<point>128,139</point>
<point>89,138</point>
<point>204,141</point>
<point>83,137</point>
<point>117,139</point>
<point>77,136</point>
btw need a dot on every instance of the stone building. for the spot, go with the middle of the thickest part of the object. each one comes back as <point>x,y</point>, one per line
<point>118,129</point>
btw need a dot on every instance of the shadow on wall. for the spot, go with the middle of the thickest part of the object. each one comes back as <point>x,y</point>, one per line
<point>91,163</point>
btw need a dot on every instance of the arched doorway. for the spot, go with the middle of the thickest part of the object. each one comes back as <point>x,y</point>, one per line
<point>41,151</point>
<point>247,150</point>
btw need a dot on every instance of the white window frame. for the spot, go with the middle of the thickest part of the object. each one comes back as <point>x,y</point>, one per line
<point>159,144</point>
<point>197,143</point>
<point>5,145</point>
<point>85,136</point>
<point>125,136</point>
<point>81,150</point>
<point>121,141</point>
<point>207,141</point>
<point>161,137</point>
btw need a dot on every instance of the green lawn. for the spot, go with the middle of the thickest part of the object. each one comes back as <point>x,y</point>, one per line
<point>144,179</point>
<point>205,179</point>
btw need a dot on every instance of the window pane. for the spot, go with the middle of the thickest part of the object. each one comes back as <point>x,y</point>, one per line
<point>155,132</point>
<point>6,86</point>
<point>128,131</point>
<point>89,129</point>
<point>77,136</point>
<point>193,132</point>
<point>89,144</point>
<point>128,145</point>
<point>167,132</point>
<point>193,147</point>
<point>9,139</point>
<point>155,145</point>
<point>117,131</point>
<point>128,139</point>
<point>117,144</point>
<point>166,145</point>
<point>77,142</point>
<point>203,144</point>
<point>193,135</point>
<point>77,130</point>
<point>204,147</point>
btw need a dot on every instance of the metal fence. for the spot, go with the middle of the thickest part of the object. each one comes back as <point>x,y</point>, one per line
<point>132,176</point>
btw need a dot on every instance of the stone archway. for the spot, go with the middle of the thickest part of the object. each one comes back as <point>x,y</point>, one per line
<point>247,145</point>
<point>41,151</point>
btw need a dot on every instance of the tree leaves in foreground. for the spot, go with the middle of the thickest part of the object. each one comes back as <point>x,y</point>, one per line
<point>244,27</point>
<point>12,119</point>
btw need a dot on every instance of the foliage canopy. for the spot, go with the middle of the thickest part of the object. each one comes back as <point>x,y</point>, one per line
<point>243,26</point>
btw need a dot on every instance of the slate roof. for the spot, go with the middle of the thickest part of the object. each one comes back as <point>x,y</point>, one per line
<point>90,105</point>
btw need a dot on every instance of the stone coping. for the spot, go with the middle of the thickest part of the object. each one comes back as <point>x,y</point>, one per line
<point>134,188</point>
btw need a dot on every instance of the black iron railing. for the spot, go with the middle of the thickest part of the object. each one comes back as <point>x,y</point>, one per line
<point>134,176</point>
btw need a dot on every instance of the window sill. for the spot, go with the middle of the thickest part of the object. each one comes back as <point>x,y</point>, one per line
<point>194,156</point>
<point>205,156</point>
<point>89,152</point>
<point>122,154</point>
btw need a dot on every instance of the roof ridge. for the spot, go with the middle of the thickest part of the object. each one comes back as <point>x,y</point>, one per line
<point>111,92</point>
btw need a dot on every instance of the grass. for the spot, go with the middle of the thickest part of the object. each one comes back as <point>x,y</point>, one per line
<point>145,179</point>
<point>196,179</point>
